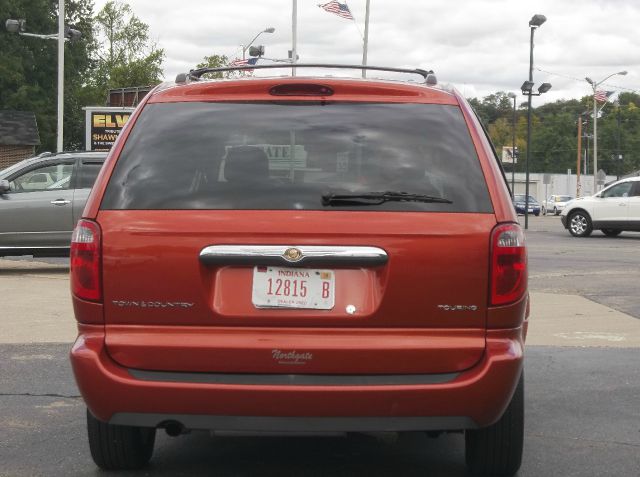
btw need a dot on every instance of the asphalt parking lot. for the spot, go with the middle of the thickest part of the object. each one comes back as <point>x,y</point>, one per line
<point>582,382</point>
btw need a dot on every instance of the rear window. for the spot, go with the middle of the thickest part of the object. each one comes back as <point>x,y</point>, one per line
<point>88,174</point>
<point>287,155</point>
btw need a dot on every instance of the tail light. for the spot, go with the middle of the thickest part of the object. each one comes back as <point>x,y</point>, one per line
<point>508,264</point>
<point>304,89</point>
<point>85,261</point>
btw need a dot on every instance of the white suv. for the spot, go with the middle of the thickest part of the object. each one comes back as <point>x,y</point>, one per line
<point>612,210</point>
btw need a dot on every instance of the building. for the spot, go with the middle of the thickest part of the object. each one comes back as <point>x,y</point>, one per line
<point>18,136</point>
<point>543,185</point>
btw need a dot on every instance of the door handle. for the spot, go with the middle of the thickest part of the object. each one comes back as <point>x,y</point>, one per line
<point>60,202</point>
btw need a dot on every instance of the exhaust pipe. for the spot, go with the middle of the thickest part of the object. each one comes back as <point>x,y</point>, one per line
<point>173,428</point>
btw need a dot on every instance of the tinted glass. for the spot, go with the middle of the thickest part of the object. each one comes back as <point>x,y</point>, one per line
<point>88,174</point>
<point>619,190</point>
<point>522,198</point>
<point>286,155</point>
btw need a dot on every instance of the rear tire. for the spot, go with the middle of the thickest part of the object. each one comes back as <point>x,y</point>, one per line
<point>611,232</point>
<point>119,447</point>
<point>497,449</point>
<point>580,224</point>
<point>556,211</point>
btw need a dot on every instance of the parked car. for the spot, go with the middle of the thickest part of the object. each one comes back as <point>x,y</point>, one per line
<point>555,204</point>
<point>519,202</point>
<point>613,210</point>
<point>42,198</point>
<point>307,254</point>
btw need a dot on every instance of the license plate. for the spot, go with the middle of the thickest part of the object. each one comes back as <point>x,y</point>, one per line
<point>281,287</point>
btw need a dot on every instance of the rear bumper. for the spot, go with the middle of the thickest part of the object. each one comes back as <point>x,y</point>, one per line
<point>476,397</point>
<point>532,210</point>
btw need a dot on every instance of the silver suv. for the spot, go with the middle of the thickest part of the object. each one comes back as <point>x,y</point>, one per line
<point>41,199</point>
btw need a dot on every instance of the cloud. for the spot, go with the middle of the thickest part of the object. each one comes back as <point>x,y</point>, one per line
<point>481,46</point>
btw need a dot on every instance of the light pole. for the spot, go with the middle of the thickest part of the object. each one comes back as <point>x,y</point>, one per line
<point>618,152</point>
<point>595,85</point>
<point>64,34</point>
<point>246,47</point>
<point>513,147</point>
<point>527,90</point>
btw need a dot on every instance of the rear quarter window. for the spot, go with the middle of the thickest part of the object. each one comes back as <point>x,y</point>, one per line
<point>286,155</point>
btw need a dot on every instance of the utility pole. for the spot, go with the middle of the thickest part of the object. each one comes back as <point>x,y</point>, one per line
<point>61,36</point>
<point>365,45</point>
<point>619,153</point>
<point>294,35</point>
<point>594,86</point>
<point>579,155</point>
<point>64,34</point>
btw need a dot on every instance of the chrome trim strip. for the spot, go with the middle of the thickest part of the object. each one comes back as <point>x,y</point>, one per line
<point>312,255</point>
<point>294,379</point>
<point>24,247</point>
<point>305,425</point>
<point>46,232</point>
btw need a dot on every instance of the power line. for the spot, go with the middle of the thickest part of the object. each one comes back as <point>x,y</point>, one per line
<point>580,80</point>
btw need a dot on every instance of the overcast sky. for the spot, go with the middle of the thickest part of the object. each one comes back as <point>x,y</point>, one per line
<point>480,46</point>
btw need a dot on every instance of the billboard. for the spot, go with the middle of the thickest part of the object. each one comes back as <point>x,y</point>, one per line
<point>102,126</point>
<point>508,155</point>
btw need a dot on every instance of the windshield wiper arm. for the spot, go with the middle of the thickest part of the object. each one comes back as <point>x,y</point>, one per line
<point>377,198</point>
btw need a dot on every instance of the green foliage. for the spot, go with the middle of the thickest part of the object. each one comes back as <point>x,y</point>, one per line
<point>28,66</point>
<point>128,57</point>
<point>555,130</point>
<point>214,61</point>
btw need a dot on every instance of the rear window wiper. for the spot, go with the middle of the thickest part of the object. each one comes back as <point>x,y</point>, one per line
<point>377,198</point>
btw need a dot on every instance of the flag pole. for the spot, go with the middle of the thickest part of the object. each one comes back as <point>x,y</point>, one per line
<point>294,36</point>
<point>365,45</point>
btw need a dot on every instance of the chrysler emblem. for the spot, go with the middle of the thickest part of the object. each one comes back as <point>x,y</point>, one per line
<point>292,254</point>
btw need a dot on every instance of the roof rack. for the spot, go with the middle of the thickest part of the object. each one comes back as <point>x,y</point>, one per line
<point>194,75</point>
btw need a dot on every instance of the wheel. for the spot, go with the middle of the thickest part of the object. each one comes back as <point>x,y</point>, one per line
<point>497,449</point>
<point>537,213</point>
<point>555,211</point>
<point>544,211</point>
<point>119,447</point>
<point>611,232</point>
<point>580,224</point>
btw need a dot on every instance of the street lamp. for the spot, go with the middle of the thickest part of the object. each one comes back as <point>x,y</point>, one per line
<point>595,85</point>
<point>527,90</point>
<point>245,48</point>
<point>65,33</point>
<point>513,146</point>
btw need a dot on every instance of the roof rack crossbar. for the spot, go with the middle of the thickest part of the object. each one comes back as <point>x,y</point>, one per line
<point>196,74</point>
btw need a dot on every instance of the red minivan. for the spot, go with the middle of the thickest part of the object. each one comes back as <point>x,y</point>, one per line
<point>303,254</point>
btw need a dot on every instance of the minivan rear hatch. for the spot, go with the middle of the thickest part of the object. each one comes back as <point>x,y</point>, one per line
<point>309,237</point>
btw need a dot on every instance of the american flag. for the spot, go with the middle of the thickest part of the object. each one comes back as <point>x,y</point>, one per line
<point>241,62</point>
<point>602,96</point>
<point>340,9</point>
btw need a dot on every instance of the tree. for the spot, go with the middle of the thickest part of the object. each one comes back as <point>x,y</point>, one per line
<point>128,57</point>
<point>214,61</point>
<point>492,107</point>
<point>28,66</point>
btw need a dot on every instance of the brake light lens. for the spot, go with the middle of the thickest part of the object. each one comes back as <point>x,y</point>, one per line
<point>86,261</point>
<point>508,264</point>
<point>303,89</point>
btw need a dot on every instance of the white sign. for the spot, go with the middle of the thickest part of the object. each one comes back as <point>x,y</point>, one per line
<point>276,287</point>
<point>507,155</point>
